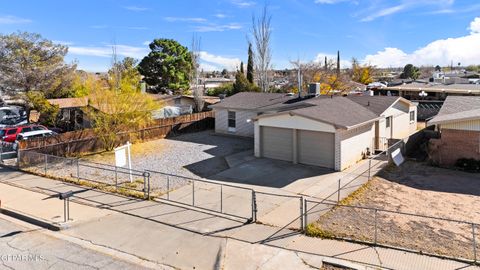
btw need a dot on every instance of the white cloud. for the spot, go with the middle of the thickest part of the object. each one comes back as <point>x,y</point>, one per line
<point>329,1</point>
<point>185,19</point>
<point>220,15</point>
<point>243,3</point>
<point>217,27</point>
<point>475,26</point>
<point>9,19</point>
<point>384,12</point>
<point>62,42</point>
<point>439,52</point>
<point>106,51</point>
<point>320,58</point>
<point>216,62</point>
<point>136,8</point>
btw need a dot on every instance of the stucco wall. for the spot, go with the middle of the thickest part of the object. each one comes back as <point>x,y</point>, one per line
<point>401,125</point>
<point>243,128</point>
<point>353,144</point>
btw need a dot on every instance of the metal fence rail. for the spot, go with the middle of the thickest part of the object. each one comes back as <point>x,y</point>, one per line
<point>221,198</point>
<point>76,170</point>
<point>272,205</point>
<point>413,232</point>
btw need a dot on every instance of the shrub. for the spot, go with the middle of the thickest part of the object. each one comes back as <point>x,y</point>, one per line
<point>468,164</point>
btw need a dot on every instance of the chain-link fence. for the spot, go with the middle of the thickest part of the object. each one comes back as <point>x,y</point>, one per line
<point>213,196</point>
<point>86,173</point>
<point>425,234</point>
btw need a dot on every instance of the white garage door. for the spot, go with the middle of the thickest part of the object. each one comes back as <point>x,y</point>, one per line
<point>316,148</point>
<point>276,143</point>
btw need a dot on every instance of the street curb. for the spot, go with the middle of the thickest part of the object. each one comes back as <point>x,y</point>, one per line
<point>32,220</point>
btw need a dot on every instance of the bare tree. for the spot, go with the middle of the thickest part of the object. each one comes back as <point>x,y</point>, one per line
<point>262,32</point>
<point>197,88</point>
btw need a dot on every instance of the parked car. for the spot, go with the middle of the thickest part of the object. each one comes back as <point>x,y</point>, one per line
<point>34,134</point>
<point>9,134</point>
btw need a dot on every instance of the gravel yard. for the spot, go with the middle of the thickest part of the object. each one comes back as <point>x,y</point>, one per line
<point>414,188</point>
<point>194,155</point>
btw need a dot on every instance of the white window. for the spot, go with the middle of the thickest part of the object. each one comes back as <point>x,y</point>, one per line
<point>412,116</point>
<point>232,122</point>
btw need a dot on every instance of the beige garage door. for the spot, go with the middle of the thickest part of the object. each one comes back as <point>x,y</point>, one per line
<point>316,148</point>
<point>276,143</point>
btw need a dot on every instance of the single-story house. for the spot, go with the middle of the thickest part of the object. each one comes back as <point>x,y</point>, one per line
<point>398,117</point>
<point>328,131</point>
<point>71,115</point>
<point>459,125</point>
<point>234,114</point>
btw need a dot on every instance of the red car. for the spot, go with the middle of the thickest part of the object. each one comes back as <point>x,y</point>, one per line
<point>9,134</point>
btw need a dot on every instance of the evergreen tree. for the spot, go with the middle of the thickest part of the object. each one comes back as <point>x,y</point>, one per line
<point>241,68</point>
<point>250,64</point>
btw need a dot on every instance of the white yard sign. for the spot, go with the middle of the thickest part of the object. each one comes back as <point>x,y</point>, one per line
<point>122,156</point>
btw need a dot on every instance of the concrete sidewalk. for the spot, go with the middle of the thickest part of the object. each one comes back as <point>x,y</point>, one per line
<point>184,238</point>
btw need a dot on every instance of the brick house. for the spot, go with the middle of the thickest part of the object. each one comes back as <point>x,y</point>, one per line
<point>459,125</point>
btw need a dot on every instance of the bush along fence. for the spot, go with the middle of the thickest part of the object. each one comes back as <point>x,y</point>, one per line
<point>86,141</point>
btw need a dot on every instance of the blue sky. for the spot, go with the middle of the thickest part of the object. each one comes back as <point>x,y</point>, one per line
<point>380,32</point>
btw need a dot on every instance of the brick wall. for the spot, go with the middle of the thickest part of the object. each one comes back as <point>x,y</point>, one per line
<point>453,145</point>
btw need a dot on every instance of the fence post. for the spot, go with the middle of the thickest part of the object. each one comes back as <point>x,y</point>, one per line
<point>305,211</point>
<point>116,178</point>
<point>78,170</point>
<point>302,227</point>
<point>474,243</point>
<point>168,187</point>
<point>1,152</point>
<point>375,237</point>
<point>146,185</point>
<point>221,198</point>
<point>338,191</point>
<point>46,163</point>
<point>193,193</point>
<point>254,207</point>
<point>369,167</point>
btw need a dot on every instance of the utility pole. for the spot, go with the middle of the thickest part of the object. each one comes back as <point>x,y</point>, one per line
<point>338,64</point>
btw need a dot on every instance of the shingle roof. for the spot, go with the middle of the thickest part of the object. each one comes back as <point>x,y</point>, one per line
<point>376,104</point>
<point>69,102</point>
<point>429,87</point>
<point>338,111</point>
<point>252,100</point>
<point>456,108</point>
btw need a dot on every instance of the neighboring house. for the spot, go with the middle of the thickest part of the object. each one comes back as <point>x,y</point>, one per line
<point>398,117</point>
<point>433,91</point>
<point>459,125</point>
<point>180,105</point>
<point>332,132</point>
<point>234,114</point>
<point>71,115</point>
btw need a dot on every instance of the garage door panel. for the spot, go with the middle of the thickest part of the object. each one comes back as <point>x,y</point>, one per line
<point>277,143</point>
<point>316,148</point>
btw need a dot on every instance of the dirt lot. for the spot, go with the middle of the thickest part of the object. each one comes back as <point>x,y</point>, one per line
<point>414,188</point>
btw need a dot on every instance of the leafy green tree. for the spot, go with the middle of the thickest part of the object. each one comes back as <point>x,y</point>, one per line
<point>125,75</point>
<point>410,72</point>
<point>241,68</point>
<point>28,62</point>
<point>242,84</point>
<point>250,64</point>
<point>48,112</point>
<point>168,65</point>
<point>224,72</point>
<point>438,68</point>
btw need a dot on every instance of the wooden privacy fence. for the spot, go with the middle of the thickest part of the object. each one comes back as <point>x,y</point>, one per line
<point>86,141</point>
